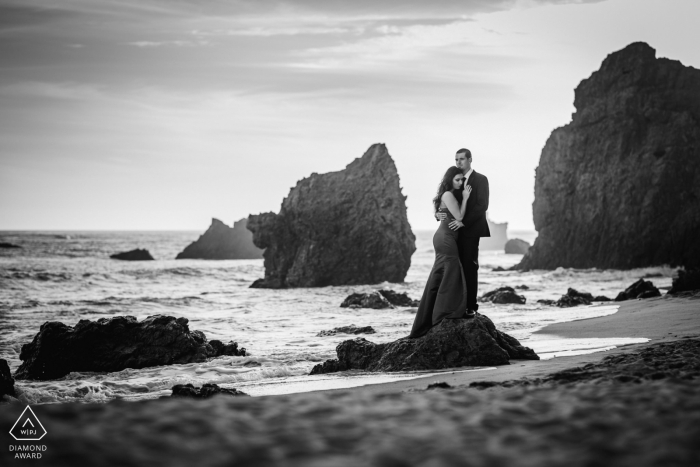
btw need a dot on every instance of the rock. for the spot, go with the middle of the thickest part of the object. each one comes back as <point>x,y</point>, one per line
<point>329,366</point>
<point>601,298</point>
<point>112,344</point>
<point>231,349</point>
<point>498,269</point>
<point>8,245</point>
<point>618,186</point>
<point>7,382</point>
<point>687,280</point>
<point>340,228</point>
<point>574,298</point>
<point>522,287</point>
<point>133,255</point>
<point>399,299</point>
<point>503,295</point>
<point>640,289</point>
<point>352,329</point>
<point>205,392</point>
<point>223,242</point>
<point>451,343</point>
<point>366,300</point>
<point>517,247</point>
<point>547,302</point>
<point>439,385</point>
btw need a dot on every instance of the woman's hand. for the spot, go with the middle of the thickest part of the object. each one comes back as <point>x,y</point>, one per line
<point>467,191</point>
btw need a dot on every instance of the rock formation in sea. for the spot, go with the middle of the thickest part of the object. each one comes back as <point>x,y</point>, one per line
<point>498,238</point>
<point>340,228</point>
<point>687,280</point>
<point>223,242</point>
<point>640,289</point>
<point>573,297</point>
<point>451,343</point>
<point>619,186</point>
<point>516,246</point>
<point>7,382</point>
<point>399,298</point>
<point>9,245</point>
<point>205,392</point>
<point>352,329</point>
<point>373,300</point>
<point>114,344</point>
<point>133,255</point>
<point>503,295</point>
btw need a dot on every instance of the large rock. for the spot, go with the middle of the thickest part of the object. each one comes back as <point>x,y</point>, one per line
<point>619,186</point>
<point>223,242</point>
<point>503,295</point>
<point>133,255</point>
<point>7,382</point>
<point>516,246</point>
<point>640,289</point>
<point>340,228</point>
<point>452,343</point>
<point>114,344</point>
<point>686,281</point>
<point>574,298</point>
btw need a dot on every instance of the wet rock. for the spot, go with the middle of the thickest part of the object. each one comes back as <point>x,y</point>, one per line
<point>618,186</point>
<point>329,366</point>
<point>439,385</point>
<point>8,245</point>
<point>223,242</point>
<point>516,246</point>
<point>112,344</point>
<point>522,287</point>
<point>133,255</point>
<point>498,269</point>
<point>231,349</point>
<point>503,295</point>
<point>601,298</point>
<point>366,300</point>
<point>352,329</point>
<point>687,280</point>
<point>451,343</point>
<point>640,289</point>
<point>547,302</point>
<point>574,298</point>
<point>340,228</point>
<point>7,382</point>
<point>399,299</point>
<point>205,392</point>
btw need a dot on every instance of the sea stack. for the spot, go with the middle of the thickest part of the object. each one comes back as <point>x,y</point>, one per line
<point>223,242</point>
<point>619,186</point>
<point>340,228</point>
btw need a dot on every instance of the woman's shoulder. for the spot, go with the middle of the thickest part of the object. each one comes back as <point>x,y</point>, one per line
<point>448,195</point>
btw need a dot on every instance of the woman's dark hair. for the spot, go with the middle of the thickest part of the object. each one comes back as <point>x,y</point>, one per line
<point>445,185</point>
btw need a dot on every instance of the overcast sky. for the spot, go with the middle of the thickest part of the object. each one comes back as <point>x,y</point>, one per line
<point>161,114</point>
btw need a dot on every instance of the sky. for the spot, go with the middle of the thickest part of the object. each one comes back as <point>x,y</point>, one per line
<point>161,114</point>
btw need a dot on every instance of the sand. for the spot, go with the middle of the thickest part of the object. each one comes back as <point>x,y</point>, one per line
<point>634,406</point>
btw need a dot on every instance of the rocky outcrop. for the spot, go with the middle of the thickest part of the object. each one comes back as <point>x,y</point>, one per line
<point>686,281</point>
<point>619,186</point>
<point>205,392</point>
<point>498,238</point>
<point>574,298</point>
<point>399,299</point>
<point>133,255</point>
<point>223,242</point>
<point>339,228</point>
<point>516,246</point>
<point>503,295</point>
<point>640,289</point>
<point>7,382</point>
<point>352,329</point>
<point>114,344</point>
<point>373,300</point>
<point>9,245</point>
<point>452,343</point>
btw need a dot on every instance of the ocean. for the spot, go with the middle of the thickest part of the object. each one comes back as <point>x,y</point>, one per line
<point>68,276</point>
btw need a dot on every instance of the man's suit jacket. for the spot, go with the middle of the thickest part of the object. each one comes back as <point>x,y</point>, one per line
<point>475,224</point>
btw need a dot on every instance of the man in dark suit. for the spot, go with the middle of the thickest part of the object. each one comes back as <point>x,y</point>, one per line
<point>472,227</point>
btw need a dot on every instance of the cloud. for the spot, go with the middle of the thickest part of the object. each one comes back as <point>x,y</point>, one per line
<point>63,91</point>
<point>176,43</point>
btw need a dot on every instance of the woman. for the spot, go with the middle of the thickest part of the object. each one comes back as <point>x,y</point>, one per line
<point>445,295</point>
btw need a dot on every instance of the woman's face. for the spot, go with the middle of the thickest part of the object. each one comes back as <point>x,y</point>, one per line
<point>457,181</point>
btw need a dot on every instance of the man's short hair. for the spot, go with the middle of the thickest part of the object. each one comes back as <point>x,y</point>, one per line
<point>467,153</point>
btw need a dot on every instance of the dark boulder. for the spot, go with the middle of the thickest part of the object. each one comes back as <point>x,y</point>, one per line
<point>340,228</point>
<point>503,295</point>
<point>547,302</point>
<point>601,298</point>
<point>366,300</point>
<point>7,382</point>
<point>223,242</point>
<point>230,350</point>
<point>112,344</point>
<point>9,245</point>
<point>574,298</point>
<point>498,269</point>
<point>687,280</point>
<point>352,329</point>
<point>640,289</point>
<point>133,255</point>
<point>451,343</point>
<point>399,299</point>
<point>516,246</point>
<point>522,287</point>
<point>329,366</point>
<point>618,187</point>
<point>205,392</point>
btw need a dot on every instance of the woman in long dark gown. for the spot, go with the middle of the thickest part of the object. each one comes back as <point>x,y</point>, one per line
<point>445,294</point>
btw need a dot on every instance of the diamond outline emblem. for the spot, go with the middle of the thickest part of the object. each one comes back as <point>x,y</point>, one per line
<point>28,418</point>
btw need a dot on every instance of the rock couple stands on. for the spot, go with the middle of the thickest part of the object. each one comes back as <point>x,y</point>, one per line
<point>451,343</point>
<point>114,344</point>
<point>340,228</point>
<point>619,186</point>
<point>223,242</point>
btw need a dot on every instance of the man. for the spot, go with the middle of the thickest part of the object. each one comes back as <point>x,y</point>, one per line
<point>472,227</point>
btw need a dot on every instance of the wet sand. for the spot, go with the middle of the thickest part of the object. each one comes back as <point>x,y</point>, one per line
<point>638,405</point>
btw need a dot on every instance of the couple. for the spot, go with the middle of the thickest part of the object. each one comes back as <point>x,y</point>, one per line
<point>460,206</point>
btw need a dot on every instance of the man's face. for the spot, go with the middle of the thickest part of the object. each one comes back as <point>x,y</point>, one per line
<point>462,162</point>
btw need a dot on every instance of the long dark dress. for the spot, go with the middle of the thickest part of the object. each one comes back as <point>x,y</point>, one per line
<point>445,294</point>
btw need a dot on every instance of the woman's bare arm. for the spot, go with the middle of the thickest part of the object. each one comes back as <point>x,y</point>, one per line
<point>451,203</point>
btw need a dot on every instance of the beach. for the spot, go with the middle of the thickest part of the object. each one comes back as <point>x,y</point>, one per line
<point>634,405</point>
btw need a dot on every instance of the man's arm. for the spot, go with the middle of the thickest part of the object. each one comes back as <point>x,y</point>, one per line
<point>479,208</point>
